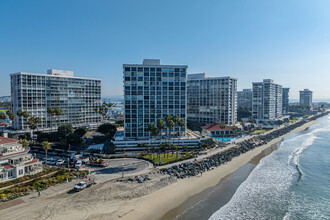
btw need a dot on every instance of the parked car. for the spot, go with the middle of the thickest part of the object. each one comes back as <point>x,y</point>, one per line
<point>59,162</point>
<point>82,185</point>
<point>78,164</point>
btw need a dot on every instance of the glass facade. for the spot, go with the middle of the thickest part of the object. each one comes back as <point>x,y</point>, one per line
<point>266,100</point>
<point>151,92</point>
<point>76,97</point>
<point>211,99</point>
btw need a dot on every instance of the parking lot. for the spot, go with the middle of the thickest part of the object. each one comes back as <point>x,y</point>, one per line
<point>110,169</point>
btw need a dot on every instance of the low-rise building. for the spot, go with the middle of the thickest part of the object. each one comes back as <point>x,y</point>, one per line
<point>216,130</point>
<point>15,160</point>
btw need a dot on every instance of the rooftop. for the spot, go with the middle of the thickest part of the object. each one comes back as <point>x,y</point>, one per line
<point>154,62</point>
<point>216,127</point>
<point>205,76</point>
<point>4,140</point>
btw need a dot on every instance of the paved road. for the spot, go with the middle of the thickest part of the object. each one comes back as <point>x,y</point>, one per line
<point>119,167</point>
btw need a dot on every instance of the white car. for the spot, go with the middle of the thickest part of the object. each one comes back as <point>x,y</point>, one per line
<point>78,164</point>
<point>59,162</point>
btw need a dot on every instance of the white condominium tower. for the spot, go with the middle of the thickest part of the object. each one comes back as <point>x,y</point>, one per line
<point>212,99</point>
<point>151,91</point>
<point>266,100</point>
<point>306,97</point>
<point>77,97</point>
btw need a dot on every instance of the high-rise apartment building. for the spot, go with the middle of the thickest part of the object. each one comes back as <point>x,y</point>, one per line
<point>266,100</point>
<point>77,97</point>
<point>285,100</point>
<point>306,97</point>
<point>212,98</point>
<point>151,91</point>
<point>244,98</point>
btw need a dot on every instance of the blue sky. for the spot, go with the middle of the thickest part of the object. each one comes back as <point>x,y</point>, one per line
<point>285,40</point>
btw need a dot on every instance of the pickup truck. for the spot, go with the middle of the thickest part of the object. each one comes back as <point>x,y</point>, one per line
<point>82,185</point>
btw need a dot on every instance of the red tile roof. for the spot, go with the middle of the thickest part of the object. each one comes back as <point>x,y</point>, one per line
<point>35,160</point>
<point>7,166</point>
<point>9,155</point>
<point>216,127</point>
<point>4,140</point>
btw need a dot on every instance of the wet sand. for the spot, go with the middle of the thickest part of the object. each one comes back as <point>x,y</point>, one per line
<point>204,204</point>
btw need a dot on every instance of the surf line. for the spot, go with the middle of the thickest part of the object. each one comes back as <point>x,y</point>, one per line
<point>300,173</point>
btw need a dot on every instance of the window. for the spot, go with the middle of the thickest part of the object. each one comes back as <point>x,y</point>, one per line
<point>20,172</point>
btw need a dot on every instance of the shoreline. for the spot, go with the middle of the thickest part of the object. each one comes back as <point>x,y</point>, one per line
<point>225,190</point>
<point>160,202</point>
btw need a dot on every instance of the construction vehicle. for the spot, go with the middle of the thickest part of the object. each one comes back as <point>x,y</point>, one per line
<point>96,162</point>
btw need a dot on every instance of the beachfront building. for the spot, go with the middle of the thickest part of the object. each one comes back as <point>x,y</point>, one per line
<point>77,97</point>
<point>15,161</point>
<point>266,100</point>
<point>285,100</point>
<point>151,91</point>
<point>244,98</point>
<point>216,130</point>
<point>306,98</point>
<point>211,99</point>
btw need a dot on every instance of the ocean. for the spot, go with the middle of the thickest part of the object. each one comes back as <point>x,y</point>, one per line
<point>292,182</point>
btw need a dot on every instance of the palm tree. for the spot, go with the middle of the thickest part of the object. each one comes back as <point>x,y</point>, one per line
<point>181,124</point>
<point>19,113</point>
<point>51,112</point>
<point>57,112</point>
<point>10,115</point>
<point>153,130</point>
<point>37,121</point>
<point>168,118</point>
<point>169,123</point>
<point>46,146</point>
<point>160,125</point>
<point>32,125</point>
<point>3,116</point>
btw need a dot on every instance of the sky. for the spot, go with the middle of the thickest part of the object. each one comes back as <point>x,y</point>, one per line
<point>284,40</point>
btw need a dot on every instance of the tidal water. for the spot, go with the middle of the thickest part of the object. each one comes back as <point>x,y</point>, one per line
<point>293,182</point>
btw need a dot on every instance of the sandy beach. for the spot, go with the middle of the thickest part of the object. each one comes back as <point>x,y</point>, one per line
<point>157,204</point>
<point>117,200</point>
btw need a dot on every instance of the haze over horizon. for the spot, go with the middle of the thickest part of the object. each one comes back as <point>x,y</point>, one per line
<point>287,41</point>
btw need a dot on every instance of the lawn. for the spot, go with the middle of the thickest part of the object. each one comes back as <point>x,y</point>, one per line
<point>259,131</point>
<point>167,158</point>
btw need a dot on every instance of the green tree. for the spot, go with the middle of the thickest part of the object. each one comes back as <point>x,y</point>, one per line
<point>46,146</point>
<point>57,112</point>
<point>222,125</point>
<point>243,112</point>
<point>181,124</point>
<point>160,126</point>
<point>73,139</point>
<point>24,143</point>
<point>153,130</point>
<point>108,130</point>
<point>66,129</point>
<point>81,131</point>
<point>194,125</point>
<point>3,116</point>
<point>168,120</point>
<point>10,115</point>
